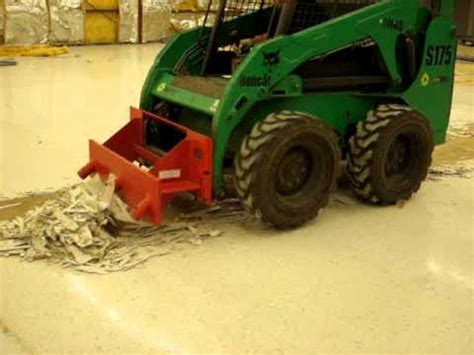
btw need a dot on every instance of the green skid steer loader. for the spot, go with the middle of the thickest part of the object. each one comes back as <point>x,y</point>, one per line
<point>281,93</point>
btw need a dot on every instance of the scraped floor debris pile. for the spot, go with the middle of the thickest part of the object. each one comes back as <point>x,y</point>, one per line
<point>89,229</point>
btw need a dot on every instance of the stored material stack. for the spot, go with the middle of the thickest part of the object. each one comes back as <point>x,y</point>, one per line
<point>27,21</point>
<point>188,14</point>
<point>101,22</point>
<point>66,21</point>
<point>129,19</point>
<point>156,16</point>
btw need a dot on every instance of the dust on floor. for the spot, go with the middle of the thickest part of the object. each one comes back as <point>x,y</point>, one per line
<point>9,343</point>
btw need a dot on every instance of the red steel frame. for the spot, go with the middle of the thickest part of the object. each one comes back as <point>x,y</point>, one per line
<point>188,166</point>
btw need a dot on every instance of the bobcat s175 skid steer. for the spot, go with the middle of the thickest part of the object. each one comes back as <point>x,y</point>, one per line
<point>279,93</point>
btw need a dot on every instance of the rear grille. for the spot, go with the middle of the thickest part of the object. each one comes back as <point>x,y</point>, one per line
<point>236,8</point>
<point>309,13</point>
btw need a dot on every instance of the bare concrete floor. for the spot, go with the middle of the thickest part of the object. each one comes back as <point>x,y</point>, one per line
<point>358,279</point>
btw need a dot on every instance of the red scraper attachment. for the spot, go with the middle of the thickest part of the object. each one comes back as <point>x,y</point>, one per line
<point>186,167</point>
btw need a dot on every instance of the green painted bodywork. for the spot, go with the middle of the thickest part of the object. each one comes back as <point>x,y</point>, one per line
<point>227,117</point>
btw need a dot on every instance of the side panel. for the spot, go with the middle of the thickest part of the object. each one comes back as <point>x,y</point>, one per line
<point>272,61</point>
<point>165,62</point>
<point>340,110</point>
<point>431,93</point>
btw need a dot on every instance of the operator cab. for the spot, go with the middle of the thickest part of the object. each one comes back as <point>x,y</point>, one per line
<point>273,19</point>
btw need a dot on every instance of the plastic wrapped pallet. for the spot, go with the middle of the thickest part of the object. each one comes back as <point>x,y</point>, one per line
<point>156,15</point>
<point>66,21</point>
<point>27,21</point>
<point>128,26</point>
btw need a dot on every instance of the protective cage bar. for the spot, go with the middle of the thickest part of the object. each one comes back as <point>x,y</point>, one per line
<point>307,12</point>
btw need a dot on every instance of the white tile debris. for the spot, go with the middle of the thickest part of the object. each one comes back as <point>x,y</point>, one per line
<point>88,228</point>
<point>461,170</point>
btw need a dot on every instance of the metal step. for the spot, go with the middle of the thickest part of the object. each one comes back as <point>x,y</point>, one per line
<point>209,86</point>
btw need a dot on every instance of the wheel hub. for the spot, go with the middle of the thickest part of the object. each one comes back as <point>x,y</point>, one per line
<point>398,156</point>
<point>293,171</point>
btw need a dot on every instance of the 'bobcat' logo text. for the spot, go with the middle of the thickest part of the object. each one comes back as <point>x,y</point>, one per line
<point>271,58</point>
<point>254,80</point>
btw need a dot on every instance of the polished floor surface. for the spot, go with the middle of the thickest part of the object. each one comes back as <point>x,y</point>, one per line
<point>358,279</point>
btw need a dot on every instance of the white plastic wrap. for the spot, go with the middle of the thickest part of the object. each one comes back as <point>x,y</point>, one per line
<point>128,30</point>
<point>156,15</point>
<point>67,21</point>
<point>27,22</point>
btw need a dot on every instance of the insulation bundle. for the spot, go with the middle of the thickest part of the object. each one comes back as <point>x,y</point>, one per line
<point>66,21</point>
<point>27,21</point>
<point>128,26</point>
<point>156,16</point>
<point>185,5</point>
<point>102,5</point>
<point>101,27</point>
<point>111,21</point>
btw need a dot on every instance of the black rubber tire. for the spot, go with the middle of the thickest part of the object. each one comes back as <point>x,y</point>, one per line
<point>370,156</point>
<point>265,160</point>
